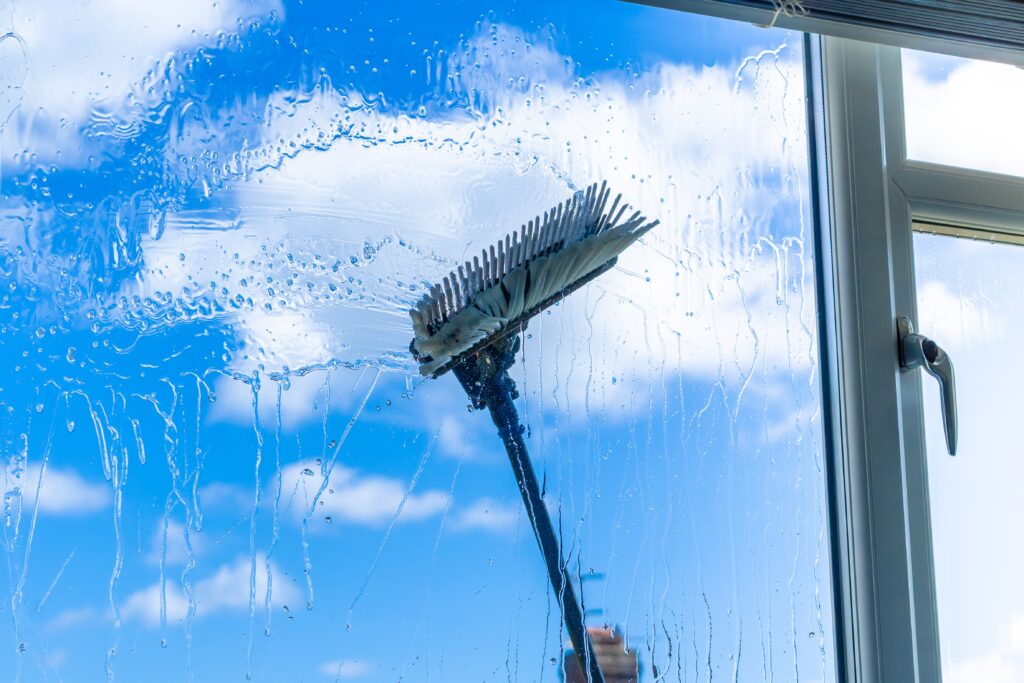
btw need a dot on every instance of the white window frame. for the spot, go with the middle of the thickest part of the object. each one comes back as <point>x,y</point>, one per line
<point>868,196</point>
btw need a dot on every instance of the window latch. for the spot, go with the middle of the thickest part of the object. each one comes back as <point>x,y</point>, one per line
<point>918,351</point>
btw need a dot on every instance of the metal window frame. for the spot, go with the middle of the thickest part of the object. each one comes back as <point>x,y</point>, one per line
<point>870,196</point>
<point>762,14</point>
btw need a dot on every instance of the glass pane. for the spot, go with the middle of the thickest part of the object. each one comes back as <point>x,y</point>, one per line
<point>969,302</point>
<point>964,112</point>
<point>220,460</point>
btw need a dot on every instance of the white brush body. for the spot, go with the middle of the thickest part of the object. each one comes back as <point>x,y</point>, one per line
<point>539,262</point>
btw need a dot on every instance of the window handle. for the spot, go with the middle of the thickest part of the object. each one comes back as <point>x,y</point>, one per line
<point>918,351</point>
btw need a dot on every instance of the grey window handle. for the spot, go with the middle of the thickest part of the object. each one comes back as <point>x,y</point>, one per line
<point>918,351</point>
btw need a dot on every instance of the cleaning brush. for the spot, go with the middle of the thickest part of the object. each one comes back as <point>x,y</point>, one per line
<point>470,324</point>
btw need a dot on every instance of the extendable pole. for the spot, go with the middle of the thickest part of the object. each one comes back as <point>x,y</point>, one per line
<point>487,382</point>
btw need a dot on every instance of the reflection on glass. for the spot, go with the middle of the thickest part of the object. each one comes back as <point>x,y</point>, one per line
<point>219,460</point>
<point>969,302</point>
<point>964,112</point>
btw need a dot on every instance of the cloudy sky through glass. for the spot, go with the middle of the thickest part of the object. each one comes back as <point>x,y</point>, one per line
<point>219,459</point>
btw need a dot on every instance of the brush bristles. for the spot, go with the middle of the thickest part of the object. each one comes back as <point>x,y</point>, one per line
<point>482,297</point>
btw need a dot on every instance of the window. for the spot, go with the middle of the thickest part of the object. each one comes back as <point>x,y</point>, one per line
<point>921,566</point>
<point>962,112</point>
<point>219,460</point>
<point>967,298</point>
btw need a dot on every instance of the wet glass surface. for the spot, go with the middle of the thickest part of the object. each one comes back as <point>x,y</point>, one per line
<point>968,298</point>
<point>220,462</point>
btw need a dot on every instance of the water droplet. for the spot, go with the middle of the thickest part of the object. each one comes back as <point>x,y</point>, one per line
<point>369,251</point>
<point>328,519</point>
<point>307,472</point>
<point>71,354</point>
<point>39,407</point>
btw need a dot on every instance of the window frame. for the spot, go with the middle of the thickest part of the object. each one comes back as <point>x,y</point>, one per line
<point>869,194</point>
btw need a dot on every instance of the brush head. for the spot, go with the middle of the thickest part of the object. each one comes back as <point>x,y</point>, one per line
<point>495,294</point>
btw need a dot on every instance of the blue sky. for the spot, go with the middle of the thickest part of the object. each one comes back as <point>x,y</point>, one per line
<point>212,228</point>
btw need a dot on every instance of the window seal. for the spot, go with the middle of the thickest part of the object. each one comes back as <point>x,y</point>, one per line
<point>968,232</point>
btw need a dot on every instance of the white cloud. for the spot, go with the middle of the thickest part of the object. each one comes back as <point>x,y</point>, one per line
<point>176,551</point>
<point>451,436</point>
<point>289,338</point>
<point>72,64</point>
<point>74,70</point>
<point>225,590</point>
<point>75,617</point>
<point>348,668</point>
<point>144,604</point>
<point>970,116</point>
<point>1004,663</point>
<point>457,435</point>
<point>305,399</point>
<point>352,497</point>
<point>711,157</point>
<point>225,496</point>
<point>991,668</point>
<point>969,302</point>
<point>63,491</point>
<point>57,659</point>
<point>488,515</point>
<point>957,320</point>
<point>1015,641</point>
